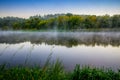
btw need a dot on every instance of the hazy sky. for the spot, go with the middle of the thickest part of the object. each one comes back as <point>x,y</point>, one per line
<point>26,8</point>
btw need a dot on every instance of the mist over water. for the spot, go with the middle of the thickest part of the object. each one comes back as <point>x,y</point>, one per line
<point>68,39</point>
<point>85,48</point>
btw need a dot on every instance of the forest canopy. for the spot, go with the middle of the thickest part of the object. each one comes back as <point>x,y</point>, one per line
<point>61,22</point>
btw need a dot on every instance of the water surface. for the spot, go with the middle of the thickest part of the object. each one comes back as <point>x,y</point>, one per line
<point>85,48</point>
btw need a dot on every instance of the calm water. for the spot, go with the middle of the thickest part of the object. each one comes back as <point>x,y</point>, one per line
<point>85,48</point>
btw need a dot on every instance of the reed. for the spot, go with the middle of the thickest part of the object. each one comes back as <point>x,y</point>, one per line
<point>55,71</point>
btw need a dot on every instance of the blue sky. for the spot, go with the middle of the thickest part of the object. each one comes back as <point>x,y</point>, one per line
<point>26,8</point>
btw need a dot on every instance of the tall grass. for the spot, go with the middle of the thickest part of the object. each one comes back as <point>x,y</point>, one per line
<point>87,73</point>
<point>55,71</point>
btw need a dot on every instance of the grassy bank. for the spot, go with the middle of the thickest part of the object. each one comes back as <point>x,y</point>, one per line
<point>72,30</point>
<point>56,71</point>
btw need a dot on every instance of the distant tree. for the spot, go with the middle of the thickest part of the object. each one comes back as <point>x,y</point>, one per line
<point>61,21</point>
<point>16,25</point>
<point>51,23</point>
<point>42,24</point>
<point>104,22</point>
<point>69,14</point>
<point>116,21</point>
<point>88,22</point>
<point>74,22</point>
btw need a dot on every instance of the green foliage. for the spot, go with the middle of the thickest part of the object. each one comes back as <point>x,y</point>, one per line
<point>87,73</point>
<point>115,21</point>
<point>55,71</point>
<point>61,21</point>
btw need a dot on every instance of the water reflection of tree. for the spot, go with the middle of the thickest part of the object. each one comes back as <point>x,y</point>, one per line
<point>67,40</point>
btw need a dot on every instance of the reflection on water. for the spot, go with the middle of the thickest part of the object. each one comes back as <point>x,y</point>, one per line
<point>84,48</point>
<point>68,39</point>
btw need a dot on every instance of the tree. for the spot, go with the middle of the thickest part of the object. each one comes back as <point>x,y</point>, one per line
<point>61,21</point>
<point>74,22</point>
<point>42,24</point>
<point>116,21</point>
<point>104,22</point>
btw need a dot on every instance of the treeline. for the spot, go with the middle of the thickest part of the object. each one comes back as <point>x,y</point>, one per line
<point>60,22</point>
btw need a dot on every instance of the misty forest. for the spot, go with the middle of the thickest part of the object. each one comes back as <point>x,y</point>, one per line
<point>61,22</point>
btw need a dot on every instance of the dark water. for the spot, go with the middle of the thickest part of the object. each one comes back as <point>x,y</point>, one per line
<point>85,48</point>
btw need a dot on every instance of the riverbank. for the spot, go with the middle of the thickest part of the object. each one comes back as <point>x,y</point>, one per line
<point>72,30</point>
